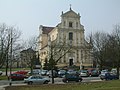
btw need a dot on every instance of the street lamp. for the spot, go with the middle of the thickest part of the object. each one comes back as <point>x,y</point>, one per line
<point>10,81</point>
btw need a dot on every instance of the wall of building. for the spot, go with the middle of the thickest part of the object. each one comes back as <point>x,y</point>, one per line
<point>80,50</point>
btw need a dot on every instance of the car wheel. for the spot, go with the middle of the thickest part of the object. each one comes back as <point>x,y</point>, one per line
<point>46,82</point>
<point>79,80</point>
<point>30,83</point>
<point>67,81</point>
<point>12,79</point>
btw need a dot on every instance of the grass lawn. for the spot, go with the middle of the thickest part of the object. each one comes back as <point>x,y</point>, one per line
<point>105,85</point>
<point>3,77</point>
<point>14,69</point>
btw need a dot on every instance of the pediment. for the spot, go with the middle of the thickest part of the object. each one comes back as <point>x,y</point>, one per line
<point>70,13</point>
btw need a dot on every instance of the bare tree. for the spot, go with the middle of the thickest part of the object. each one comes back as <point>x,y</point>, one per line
<point>31,43</point>
<point>5,43</point>
<point>116,35</point>
<point>99,47</point>
<point>106,48</point>
<point>56,52</point>
<point>30,52</point>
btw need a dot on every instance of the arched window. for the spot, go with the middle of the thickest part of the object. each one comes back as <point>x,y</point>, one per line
<point>70,36</point>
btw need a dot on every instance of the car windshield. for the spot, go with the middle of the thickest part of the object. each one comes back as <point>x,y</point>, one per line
<point>62,71</point>
<point>84,71</point>
<point>35,77</point>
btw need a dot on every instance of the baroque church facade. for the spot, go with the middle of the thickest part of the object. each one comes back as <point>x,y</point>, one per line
<point>70,32</point>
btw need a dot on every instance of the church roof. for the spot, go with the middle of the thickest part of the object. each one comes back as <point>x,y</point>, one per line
<point>28,50</point>
<point>70,13</point>
<point>46,30</point>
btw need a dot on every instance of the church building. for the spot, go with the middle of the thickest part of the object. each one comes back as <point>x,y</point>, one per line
<point>68,37</point>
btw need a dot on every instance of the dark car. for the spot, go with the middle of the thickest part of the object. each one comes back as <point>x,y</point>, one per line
<point>94,72</point>
<point>16,76</point>
<point>108,76</point>
<point>72,77</point>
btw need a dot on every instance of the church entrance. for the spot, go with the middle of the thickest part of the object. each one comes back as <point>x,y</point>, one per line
<point>70,62</point>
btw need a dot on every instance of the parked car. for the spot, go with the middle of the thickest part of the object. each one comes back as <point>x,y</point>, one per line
<point>94,72</point>
<point>22,72</point>
<point>61,73</point>
<point>108,76</point>
<point>49,73</point>
<point>44,72</point>
<point>84,73</point>
<point>114,71</point>
<point>71,71</point>
<point>35,72</point>
<point>16,76</point>
<point>72,77</point>
<point>36,80</point>
<point>104,71</point>
<point>1,72</point>
<point>102,74</point>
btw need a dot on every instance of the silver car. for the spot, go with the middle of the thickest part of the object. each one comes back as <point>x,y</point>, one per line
<point>36,80</point>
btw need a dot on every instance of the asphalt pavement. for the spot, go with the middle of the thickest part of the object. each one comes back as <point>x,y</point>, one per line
<point>4,83</point>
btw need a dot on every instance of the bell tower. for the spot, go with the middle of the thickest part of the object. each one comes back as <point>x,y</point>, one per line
<point>70,19</point>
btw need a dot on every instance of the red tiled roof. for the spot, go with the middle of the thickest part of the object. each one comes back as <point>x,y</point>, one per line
<point>46,30</point>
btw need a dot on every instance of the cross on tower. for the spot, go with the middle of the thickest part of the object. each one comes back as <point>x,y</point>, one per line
<point>70,7</point>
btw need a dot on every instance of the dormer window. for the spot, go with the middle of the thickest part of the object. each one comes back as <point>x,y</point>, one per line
<point>71,24</point>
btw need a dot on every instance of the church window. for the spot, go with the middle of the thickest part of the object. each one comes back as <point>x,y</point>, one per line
<point>70,36</point>
<point>70,24</point>
<point>64,23</point>
<point>52,37</point>
<point>76,24</point>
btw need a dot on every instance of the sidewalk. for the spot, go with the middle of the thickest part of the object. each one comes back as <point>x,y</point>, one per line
<point>2,87</point>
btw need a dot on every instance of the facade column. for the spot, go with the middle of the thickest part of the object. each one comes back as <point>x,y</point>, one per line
<point>74,38</point>
<point>64,58</point>
<point>75,57</point>
<point>81,59</point>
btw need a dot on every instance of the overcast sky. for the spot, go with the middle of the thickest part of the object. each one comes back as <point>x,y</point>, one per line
<point>96,15</point>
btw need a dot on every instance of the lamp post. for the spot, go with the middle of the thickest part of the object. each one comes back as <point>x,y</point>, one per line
<point>10,81</point>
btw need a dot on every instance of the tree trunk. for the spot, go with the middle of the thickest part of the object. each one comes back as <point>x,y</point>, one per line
<point>52,76</point>
<point>7,65</point>
<point>7,68</point>
<point>118,71</point>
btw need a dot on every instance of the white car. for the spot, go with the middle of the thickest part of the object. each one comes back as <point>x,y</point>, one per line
<point>35,72</point>
<point>36,80</point>
<point>84,73</point>
<point>44,72</point>
<point>1,72</point>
